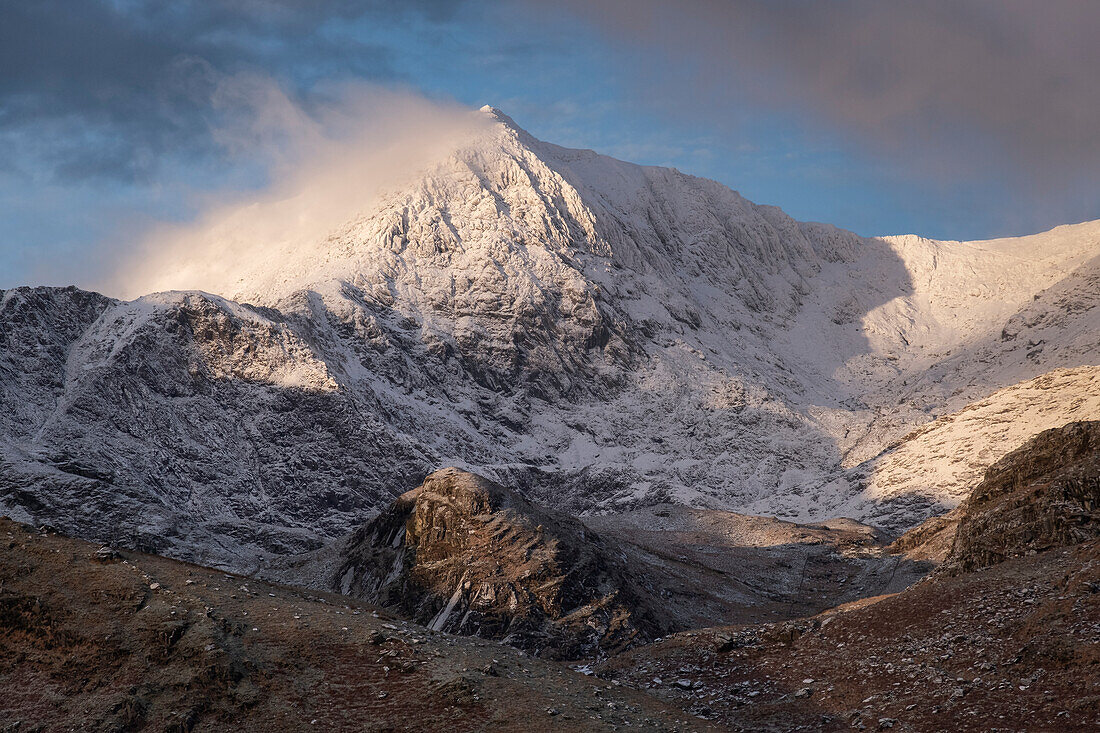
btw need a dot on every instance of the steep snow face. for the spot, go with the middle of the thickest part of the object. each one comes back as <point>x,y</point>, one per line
<point>943,460</point>
<point>538,262</point>
<point>615,334</point>
<point>609,323</point>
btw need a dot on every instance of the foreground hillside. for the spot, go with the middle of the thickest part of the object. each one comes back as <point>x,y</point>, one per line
<point>1015,648</point>
<point>100,643</point>
<point>1005,635</point>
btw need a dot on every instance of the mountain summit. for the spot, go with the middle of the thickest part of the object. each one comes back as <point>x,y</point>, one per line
<point>613,334</point>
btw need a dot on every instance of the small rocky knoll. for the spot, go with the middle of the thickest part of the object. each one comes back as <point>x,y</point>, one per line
<point>465,555</point>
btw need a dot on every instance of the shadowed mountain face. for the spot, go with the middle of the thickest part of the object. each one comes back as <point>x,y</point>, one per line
<point>186,425</point>
<point>608,336</point>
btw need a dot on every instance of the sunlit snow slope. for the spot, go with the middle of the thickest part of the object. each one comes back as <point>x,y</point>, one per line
<point>600,333</point>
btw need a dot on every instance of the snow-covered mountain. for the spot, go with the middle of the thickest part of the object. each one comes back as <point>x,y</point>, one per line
<point>598,333</point>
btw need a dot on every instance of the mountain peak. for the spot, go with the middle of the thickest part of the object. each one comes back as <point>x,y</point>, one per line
<point>499,116</point>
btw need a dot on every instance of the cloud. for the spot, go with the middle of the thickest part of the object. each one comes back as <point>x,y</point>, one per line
<point>950,87</point>
<point>121,84</point>
<point>329,163</point>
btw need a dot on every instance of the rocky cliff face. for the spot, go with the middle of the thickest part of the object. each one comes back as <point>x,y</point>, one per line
<point>184,424</point>
<point>465,555</point>
<point>1043,495</point>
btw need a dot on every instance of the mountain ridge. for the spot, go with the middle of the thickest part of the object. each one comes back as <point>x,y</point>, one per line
<point>609,335</point>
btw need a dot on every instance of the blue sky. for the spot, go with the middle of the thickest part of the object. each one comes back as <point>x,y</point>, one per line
<point>963,119</point>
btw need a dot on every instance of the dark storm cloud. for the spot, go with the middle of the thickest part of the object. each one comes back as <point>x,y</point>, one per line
<point>118,84</point>
<point>950,84</point>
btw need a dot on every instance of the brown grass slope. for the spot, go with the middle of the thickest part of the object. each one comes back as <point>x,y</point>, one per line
<point>139,642</point>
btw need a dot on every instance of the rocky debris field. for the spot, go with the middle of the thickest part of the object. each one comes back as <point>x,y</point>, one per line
<point>1015,647</point>
<point>100,640</point>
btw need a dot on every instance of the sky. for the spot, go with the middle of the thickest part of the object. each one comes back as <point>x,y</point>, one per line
<point>954,119</point>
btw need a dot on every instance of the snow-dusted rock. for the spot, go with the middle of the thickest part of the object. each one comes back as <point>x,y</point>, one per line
<point>614,334</point>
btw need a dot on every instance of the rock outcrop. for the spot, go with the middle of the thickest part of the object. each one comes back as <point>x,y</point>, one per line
<point>1043,495</point>
<point>465,555</point>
